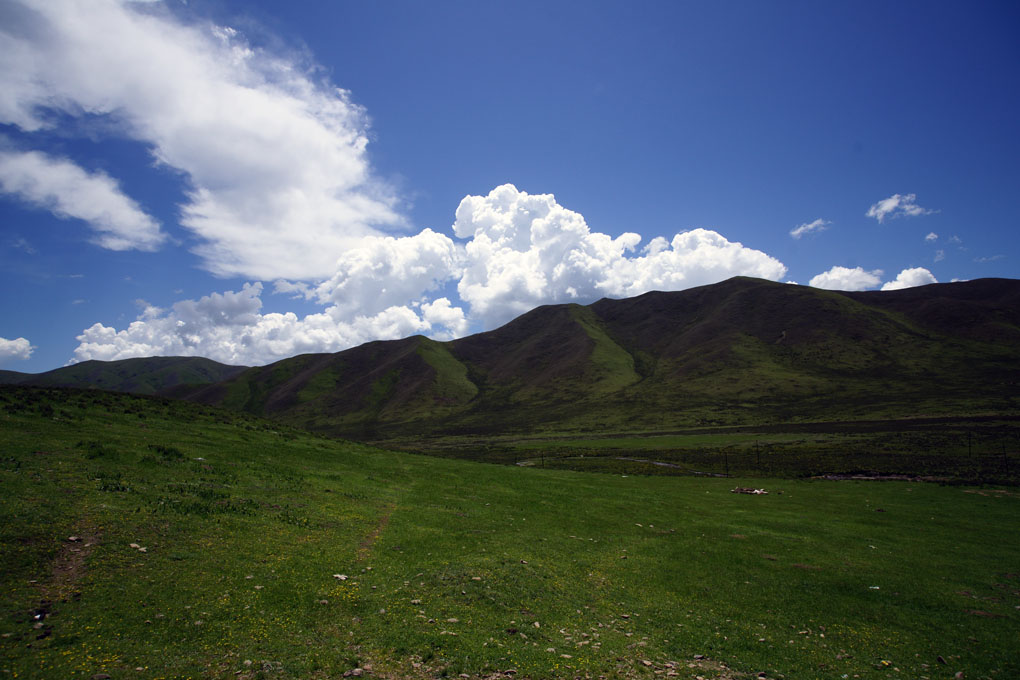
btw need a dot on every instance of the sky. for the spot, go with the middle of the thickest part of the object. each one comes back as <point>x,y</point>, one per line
<point>248,181</point>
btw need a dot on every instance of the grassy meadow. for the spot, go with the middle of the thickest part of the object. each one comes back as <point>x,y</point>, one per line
<point>145,538</point>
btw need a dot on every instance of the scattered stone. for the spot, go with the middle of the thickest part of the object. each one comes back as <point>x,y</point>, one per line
<point>551,649</point>
<point>323,601</point>
<point>646,662</point>
<point>73,539</point>
<point>143,550</point>
<point>699,657</point>
<point>340,577</point>
<point>415,601</point>
<point>354,673</point>
<point>135,546</point>
<point>537,624</point>
<point>249,576</point>
<point>259,587</point>
<point>476,578</point>
<point>452,621</point>
<point>566,656</point>
<point>753,492</point>
<point>524,561</point>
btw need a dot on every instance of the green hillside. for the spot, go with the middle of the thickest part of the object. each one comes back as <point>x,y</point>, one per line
<point>148,538</point>
<point>744,352</point>
<point>148,375</point>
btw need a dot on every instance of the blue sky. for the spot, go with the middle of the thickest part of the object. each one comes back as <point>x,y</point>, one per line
<point>248,181</point>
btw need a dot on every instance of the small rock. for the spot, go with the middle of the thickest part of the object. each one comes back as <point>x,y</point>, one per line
<point>415,601</point>
<point>524,561</point>
<point>143,550</point>
<point>476,578</point>
<point>259,587</point>
<point>537,624</point>
<point>323,601</point>
<point>646,662</point>
<point>550,649</point>
<point>940,659</point>
<point>699,657</point>
<point>959,675</point>
<point>247,662</point>
<point>566,656</point>
<point>452,621</point>
<point>340,577</point>
<point>135,546</point>
<point>73,539</point>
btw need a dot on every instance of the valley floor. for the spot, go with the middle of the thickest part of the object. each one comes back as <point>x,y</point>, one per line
<point>142,538</point>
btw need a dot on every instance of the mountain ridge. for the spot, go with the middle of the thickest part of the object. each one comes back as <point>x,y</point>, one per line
<point>736,352</point>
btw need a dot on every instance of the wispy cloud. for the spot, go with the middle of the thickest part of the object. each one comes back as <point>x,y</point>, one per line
<point>897,205</point>
<point>992,258</point>
<point>940,255</point>
<point>931,237</point>
<point>68,191</point>
<point>278,180</point>
<point>23,245</point>
<point>809,228</point>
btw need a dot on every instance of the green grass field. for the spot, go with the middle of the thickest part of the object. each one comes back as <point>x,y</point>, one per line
<point>207,544</point>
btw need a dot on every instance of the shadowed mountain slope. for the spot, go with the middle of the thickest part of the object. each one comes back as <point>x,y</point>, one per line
<point>744,351</point>
<point>141,376</point>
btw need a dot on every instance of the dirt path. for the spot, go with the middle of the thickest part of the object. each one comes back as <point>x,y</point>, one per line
<point>365,547</point>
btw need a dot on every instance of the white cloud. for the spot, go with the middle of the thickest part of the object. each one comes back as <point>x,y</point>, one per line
<point>525,250</point>
<point>229,327</point>
<point>17,349</point>
<point>897,205</point>
<point>382,271</point>
<point>940,255</point>
<point>844,278</point>
<point>931,237</point>
<point>274,157</point>
<point>908,278</point>
<point>68,191</point>
<point>810,227</point>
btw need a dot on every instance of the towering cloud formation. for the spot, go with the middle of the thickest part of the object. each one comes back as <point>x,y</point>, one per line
<point>526,250</point>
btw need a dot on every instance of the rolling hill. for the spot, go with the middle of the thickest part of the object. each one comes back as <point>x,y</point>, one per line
<point>740,352</point>
<point>148,375</point>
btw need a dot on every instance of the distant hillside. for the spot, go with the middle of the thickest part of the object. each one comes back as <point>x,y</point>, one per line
<point>142,376</point>
<point>744,351</point>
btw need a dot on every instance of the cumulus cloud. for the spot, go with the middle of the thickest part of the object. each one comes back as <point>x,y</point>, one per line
<point>17,349</point>
<point>230,327</point>
<point>810,227</point>
<point>383,271</point>
<point>525,250</point>
<point>68,191</point>
<point>844,278</point>
<point>897,205</point>
<point>931,237</point>
<point>908,278</point>
<point>274,157</point>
